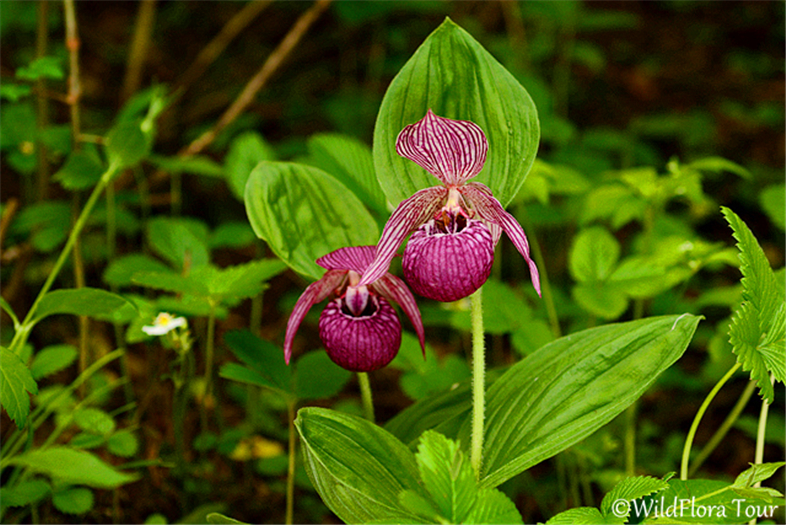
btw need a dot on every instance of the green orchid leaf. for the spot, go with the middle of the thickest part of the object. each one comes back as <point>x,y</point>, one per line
<point>246,151</point>
<point>455,77</point>
<point>358,468</point>
<point>573,386</point>
<point>303,213</point>
<point>351,162</point>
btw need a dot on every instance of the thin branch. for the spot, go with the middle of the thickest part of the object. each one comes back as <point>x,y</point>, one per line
<point>260,79</point>
<point>74,87</point>
<point>216,46</point>
<point>140,42</point>
<point>9,210</point>
<point>42,104</point>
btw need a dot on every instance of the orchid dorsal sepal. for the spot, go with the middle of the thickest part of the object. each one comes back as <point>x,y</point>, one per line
<point>454,151</point>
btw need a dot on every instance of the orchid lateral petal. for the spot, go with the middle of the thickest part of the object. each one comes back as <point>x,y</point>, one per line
<point>454,151</point>
<point>395,290</point>
<point>355,258</point>
<point>314,293</point>
<point>410,214</point>
<point>490,209</point>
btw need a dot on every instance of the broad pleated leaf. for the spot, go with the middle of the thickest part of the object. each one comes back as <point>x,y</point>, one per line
<point>351,162</point>
<point>358,468</point>
<point>571,387</point>
<point>455,77</point>
<point>304,213</point>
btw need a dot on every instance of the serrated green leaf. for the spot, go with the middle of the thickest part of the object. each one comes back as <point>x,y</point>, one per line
<point>73,500</point>
<point>123,443</point>
<point>573,386</point>
<point>317,377</point>
<point>246,151</point>
<point>240,281</point>
<point>262,357</point>
<point>120,271</point>
<point>773,202</point>
<point>14,92</point>
<point>41,67</point>
<point>194,165</point>
<point>455,77</point>
<point>52,359</point>
<point>25,493</point>
<point>356,467</point>
<point>219,519</point>
<point>602,299</point>
<point>82,170</point>
<point>579,516</point>
<point>693,500</point>
<point>172,282</point>
<point>16,382</point>
<point>85,301</point>
<point>304,213</point>
<point>351,162</point>
<point>493,506</point>
<point>760,315</point>
<point>593,255</point>
<point>719,165</point>
<point>87,441</point>
<point>179,241</point>
<point>95,421</point>
<point>126,144</point>
<point>757,473</point>
<point>75,467</point>
<point>629,489</point>
<point>47,222</point>
<point>232,234</point>
<point>447,476</point>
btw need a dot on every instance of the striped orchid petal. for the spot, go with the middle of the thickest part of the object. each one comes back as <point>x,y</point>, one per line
<point>395,290</point>
<point>410,214</point>
<point>313,294</point>
<point>355,258</point>
<point>490,209</point>
<point>454,151</point>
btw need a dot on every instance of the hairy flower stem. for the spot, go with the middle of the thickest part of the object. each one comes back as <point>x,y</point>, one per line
<point>365,396</point>
<point>697,420</point>
<point>291,406</point>
<point>478,381</point>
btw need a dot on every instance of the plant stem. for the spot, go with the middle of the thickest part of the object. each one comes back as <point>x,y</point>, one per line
<point>291,406</point>
<point>548,297</point>
<point>759,454</point>
<point>365,396</point>
<point>697,420</point>
<point>630,440</point>
<point>20,337</point>
<point>724,428</point>
<point>209,357</point>
<point>478,382</point>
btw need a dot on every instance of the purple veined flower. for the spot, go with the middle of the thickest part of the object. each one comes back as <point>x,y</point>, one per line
<point>359,327</point>
<point>456,225</point>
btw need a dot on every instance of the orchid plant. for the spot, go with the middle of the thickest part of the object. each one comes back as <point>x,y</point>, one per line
<point>469,123</point>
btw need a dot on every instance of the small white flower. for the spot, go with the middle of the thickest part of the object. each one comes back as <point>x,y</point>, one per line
<point>164,323</point>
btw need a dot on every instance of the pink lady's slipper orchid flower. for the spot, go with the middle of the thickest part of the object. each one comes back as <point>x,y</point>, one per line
<point>359,328</point>
<point>457,225</point>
